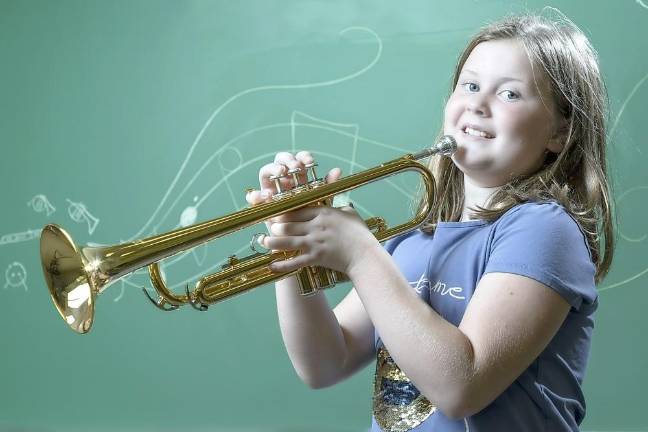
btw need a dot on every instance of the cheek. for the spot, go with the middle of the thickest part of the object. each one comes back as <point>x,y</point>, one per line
<point>523,138</point>
<point>518,126</point>
<point>452,112</point>
<point>511,119</point>
<point>530,123</point>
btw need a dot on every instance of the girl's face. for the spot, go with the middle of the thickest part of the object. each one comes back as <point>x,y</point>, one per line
<point>501,114</point>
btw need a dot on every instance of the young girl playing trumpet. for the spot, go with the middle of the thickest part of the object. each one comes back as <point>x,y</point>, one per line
<point>482,319</point>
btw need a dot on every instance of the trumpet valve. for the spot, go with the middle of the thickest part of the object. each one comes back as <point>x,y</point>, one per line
<point>311,167</point>
<point>277,182</point>
<point>295,176</point>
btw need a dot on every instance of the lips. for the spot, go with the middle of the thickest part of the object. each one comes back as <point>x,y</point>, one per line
<point>476,131</point>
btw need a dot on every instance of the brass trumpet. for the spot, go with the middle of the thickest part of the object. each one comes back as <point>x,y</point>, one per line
<point>75,275</point>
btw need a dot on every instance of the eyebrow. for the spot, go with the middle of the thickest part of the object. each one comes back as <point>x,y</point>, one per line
<point>502,79</point>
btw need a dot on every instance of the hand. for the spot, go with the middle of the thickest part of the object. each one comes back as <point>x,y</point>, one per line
<point>331,238</point>
<point>334,238</point>
<point>282,163</point>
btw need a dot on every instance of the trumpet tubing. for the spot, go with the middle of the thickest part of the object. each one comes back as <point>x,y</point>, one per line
<point>242,274</point>
<point>76,275</point>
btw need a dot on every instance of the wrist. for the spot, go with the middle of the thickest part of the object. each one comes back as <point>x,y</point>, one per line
<point>367,259</point>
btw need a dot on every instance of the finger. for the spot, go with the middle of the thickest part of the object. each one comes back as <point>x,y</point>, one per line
<point>290,229</point>
<point>254,197</point>
<point>288,217</point>
<point>333,175</point>
<point>293,162</point>
<point>286,243</point>
<point>288,265</point>
<point>285,158</point>
<point>271,169</point>
<point>348,209</point>
<point>305,157</point>
<point>289,161</point>
<point>301,215</point>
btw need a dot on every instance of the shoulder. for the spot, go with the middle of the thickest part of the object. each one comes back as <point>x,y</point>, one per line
<point>393,243</point>
<point>537,211</point>
<point>543,241</point>
<point>546,220</point>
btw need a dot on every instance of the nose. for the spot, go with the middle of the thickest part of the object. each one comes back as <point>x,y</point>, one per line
<point>478,105</point>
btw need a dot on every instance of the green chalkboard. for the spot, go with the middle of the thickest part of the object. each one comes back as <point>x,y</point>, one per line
<point>122,119</point>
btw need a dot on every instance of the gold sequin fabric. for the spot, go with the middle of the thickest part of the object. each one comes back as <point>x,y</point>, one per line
<point>398,406</point>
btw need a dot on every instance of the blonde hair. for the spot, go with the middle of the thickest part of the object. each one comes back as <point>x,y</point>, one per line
<point>576,177</point>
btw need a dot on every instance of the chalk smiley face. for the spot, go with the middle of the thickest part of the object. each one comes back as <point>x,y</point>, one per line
<point>15,276</point>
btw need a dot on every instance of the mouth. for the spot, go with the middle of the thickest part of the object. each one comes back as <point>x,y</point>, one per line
<point>475,131</point>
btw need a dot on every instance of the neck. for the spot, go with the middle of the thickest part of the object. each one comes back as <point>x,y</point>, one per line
<point>475,196</point>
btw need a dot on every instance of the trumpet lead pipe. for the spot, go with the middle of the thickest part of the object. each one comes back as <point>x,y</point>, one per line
<point>445,146</point>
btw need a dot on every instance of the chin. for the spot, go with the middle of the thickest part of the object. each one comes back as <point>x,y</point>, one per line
<point>478,171</point>
<point>468,159</point>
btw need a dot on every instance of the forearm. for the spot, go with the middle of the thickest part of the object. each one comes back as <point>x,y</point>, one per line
<point>432,352</point>
<point>312,335</point>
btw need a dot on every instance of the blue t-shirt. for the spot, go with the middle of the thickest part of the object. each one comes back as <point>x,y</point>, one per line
<point>537,240</point>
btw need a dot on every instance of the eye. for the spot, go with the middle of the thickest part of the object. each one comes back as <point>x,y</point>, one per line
<point>470,87</point>
<point>509,95</point>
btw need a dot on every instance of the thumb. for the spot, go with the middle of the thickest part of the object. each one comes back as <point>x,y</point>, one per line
<point>333,175</point>
<point>349,208</point>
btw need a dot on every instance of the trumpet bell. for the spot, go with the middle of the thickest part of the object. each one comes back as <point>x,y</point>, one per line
<point>69,283</point>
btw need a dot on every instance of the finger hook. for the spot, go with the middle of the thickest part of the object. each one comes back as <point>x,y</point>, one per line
<point>199,306</point>
<point>160,303</point>
<point>257,240</point>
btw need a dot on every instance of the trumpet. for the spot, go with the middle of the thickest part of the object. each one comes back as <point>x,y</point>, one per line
<point>76,275</point>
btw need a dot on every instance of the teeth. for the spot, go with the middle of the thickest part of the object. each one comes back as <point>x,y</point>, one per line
<point>475,132</point>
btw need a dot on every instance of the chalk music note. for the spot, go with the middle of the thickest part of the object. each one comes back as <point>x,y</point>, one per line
<point>188,217</point>
<point>41,204</point>
<point>79,213</point>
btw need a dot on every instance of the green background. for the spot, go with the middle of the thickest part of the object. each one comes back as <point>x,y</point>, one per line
<point>145,110</point>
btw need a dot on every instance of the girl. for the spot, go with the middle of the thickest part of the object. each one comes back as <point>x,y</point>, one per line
<point>482,319</point>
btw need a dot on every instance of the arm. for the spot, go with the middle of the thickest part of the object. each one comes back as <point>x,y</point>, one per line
<point>509,321</point>
<point>324,346</point>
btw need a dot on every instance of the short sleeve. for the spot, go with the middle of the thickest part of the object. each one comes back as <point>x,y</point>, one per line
<point>543,242</point>
<point>391,244</point>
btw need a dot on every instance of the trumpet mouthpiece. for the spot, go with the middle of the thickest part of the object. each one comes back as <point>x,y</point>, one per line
<point>446,146</point>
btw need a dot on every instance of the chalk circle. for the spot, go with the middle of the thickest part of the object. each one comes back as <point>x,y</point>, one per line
<point>230,159</point>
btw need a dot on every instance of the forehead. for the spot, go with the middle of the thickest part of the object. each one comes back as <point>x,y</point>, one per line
<point>500,58</point>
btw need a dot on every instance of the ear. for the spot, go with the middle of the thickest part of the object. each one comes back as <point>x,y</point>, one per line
<point>557,141</point>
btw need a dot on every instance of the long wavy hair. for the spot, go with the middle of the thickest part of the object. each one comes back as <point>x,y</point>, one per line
<point>576,177</point>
